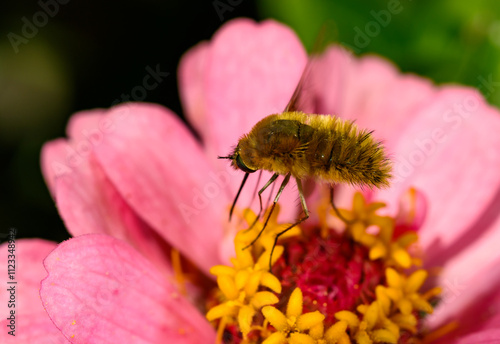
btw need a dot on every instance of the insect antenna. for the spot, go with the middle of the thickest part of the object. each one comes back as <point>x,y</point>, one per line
<point>238,195</point>
<point>299,221</point>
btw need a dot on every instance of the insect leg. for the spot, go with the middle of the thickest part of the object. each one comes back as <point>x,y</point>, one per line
<point>238,195</point>
<point>269,182</point>
<point>283,184</point>
<point>253,196</point>
<point>267,203</point>
<point>339,215</point>
<point>256,188</point>
<point>270,196</point>
<point>306,216</point>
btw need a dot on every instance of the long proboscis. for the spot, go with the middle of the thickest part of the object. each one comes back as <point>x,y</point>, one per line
<point>230,157</point>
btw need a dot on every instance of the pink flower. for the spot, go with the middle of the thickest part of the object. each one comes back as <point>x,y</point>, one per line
<point>31,322</point>
<point>136,174</point>
<point>132,184</point>
<point>443,142</point>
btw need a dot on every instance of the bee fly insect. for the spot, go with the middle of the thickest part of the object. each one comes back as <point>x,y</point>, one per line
<point>303,145</point>
<point>299,145</point>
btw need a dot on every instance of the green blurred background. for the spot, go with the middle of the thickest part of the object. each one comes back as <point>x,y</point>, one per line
<point>60,57</point>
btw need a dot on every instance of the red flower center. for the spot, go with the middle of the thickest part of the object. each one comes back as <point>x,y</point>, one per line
<point>334,273</point>
<point>355,286</point>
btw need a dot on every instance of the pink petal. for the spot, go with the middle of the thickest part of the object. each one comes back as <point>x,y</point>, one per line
<point>51,164</point>
<point>405,95</point>
<point>99,289</point>
<point>453,159</point>
<point>458,177</point>
<point>411,213</point>
<point>471,281</point>
<point>87,128</point>
<point>87,200</point>
<point>58,159</point>
<point>481,315</point>
<point>35,327</point>
<point>192,67</point>
<point>370,91</point>
<point>494,320</point>
<point>29,254</point>
<point>483,337</point>
<point>250,71</point>
<point>330,73</point>
<point>32,324</point>
<point>161,171</point>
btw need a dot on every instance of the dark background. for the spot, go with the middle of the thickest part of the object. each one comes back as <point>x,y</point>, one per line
<point>95,51</point>
<point>89,53</point>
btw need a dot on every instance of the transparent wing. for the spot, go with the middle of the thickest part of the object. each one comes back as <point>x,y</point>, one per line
<point>304,98</point>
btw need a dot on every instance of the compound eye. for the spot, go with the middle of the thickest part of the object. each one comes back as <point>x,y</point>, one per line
<point>242,166</point>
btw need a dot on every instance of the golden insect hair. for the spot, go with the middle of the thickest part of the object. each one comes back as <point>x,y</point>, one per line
<point>324,147</point>
<point>297,144</point>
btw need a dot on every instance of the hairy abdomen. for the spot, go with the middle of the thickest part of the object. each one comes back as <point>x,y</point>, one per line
<point>321,146</point>
<point>347,155</point>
